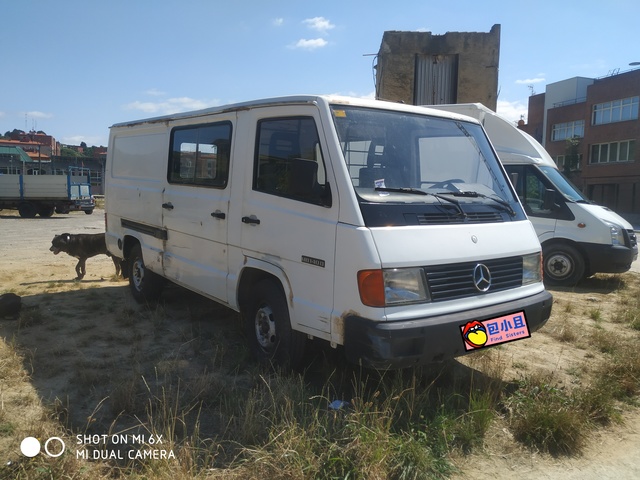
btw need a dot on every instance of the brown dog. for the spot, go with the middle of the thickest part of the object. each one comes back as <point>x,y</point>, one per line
<point>82,246</point>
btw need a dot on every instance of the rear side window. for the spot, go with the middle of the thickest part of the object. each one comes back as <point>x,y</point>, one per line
<point>199,155</point>
<point>289,161</point>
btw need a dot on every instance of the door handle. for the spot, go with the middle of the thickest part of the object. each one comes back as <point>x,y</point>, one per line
<point>218,214</point>
<point>251,220</point>
<point>167,206</point>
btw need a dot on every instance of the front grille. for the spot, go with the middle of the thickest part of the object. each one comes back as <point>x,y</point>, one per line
<point>444,218</point>
<point>449,282</point>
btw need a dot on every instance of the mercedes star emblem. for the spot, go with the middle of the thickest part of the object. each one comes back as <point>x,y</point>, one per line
<point>482,277</point>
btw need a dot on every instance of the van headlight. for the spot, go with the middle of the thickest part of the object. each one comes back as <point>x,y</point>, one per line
<point>531,268</point>
<point>617,237</point>
<point>392,286</point>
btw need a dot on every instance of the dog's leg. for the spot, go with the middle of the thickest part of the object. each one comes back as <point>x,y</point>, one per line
<point>80,269</point>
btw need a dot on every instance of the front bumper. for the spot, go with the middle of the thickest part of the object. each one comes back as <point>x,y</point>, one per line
<point>609,258</point>
<point>407,343</point>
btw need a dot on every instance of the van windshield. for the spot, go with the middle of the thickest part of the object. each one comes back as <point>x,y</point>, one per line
<point>400,157</point>
<point>563,185</point>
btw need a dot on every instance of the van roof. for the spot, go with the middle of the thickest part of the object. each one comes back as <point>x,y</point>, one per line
<point>297,99</point>
<point>512,144</point>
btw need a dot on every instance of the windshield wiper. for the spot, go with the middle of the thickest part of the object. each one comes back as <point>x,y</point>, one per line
<point>417,191</point>
<point>471,194</point>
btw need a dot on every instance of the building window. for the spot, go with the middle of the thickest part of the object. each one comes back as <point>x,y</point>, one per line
<point>564,131</point>
<point>613,152</point>
<point>615,111</point>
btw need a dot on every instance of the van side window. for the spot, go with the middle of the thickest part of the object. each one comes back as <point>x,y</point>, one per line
<point>289,162</point>
<point>530,188</point>
<point>199,155</point>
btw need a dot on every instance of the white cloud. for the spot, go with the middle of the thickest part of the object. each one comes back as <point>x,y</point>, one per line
<point>319,24</point>
<point>513,111</point>
<point>310,44</point>
<point>36,114</point>
<point>171,105</point>
<point>278,22</point>
<point>78,139</point>
<point>154,92</point>
<point>529,81</point>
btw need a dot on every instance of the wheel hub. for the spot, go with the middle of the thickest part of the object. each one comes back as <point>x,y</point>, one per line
<point>138,274</point>
<point>265,327</point>
<point>559,265</point>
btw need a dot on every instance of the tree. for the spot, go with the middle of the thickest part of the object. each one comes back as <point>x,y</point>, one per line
<point>571,156</point>
<point>68,152</point>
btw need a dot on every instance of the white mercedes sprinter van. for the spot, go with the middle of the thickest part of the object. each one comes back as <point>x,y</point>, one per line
<point>389,229</point>
<point>578,237</point>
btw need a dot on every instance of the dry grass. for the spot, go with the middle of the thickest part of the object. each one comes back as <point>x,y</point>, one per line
<point>179,371</point>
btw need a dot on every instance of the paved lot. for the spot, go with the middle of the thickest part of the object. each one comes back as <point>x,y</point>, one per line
<point>29,238</point>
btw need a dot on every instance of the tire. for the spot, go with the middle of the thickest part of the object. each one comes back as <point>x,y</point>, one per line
<point>88,212</point>
<point>145,285</point>
<point>563,265</point>
<point>27,210</point>
<point>46,211</point>
<point>271,339</point>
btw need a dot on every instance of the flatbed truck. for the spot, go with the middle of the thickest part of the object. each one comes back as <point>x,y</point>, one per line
<point>43,195</point>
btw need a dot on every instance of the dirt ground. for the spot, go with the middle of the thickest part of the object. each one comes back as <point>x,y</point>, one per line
<point>86,340</point>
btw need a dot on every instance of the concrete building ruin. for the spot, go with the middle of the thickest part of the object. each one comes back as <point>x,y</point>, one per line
<point>424,69</point>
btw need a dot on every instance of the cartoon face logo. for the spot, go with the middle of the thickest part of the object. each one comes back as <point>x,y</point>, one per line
<point>475,334</point>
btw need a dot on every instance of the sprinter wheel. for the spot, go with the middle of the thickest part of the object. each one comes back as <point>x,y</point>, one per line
<point>563,265</point>
<point>268,327</point>
<point>145,285</point>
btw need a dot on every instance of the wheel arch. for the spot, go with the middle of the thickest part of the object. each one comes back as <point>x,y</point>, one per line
<point>565,241</point>
<point>255,271</point>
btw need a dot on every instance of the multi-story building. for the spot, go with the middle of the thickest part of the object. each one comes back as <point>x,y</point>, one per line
<point>591,127</point>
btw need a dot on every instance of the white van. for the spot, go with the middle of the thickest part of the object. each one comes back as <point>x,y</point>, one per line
<point>389,229</point>
<point>578,237</point>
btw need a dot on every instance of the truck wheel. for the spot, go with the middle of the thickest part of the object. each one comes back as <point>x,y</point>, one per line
<point>89,212</point>
<point>145,285</point>
<point>27,210</point>
<point>45,212</point>
<point>563,265</point>
<point>268,327</point>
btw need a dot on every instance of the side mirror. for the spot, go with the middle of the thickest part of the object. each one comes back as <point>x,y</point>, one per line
<point>549,200</point>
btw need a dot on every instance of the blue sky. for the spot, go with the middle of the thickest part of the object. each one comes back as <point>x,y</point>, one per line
<point>72,68</point>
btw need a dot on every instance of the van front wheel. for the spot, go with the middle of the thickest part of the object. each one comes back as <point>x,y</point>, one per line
<point>145,285</point>
<point>563,265</point>
<point>268,327</point>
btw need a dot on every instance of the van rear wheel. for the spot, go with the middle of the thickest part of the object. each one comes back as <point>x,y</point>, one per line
<point>563,265</point>
<point>268,327</point>
<point>145,285</point>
